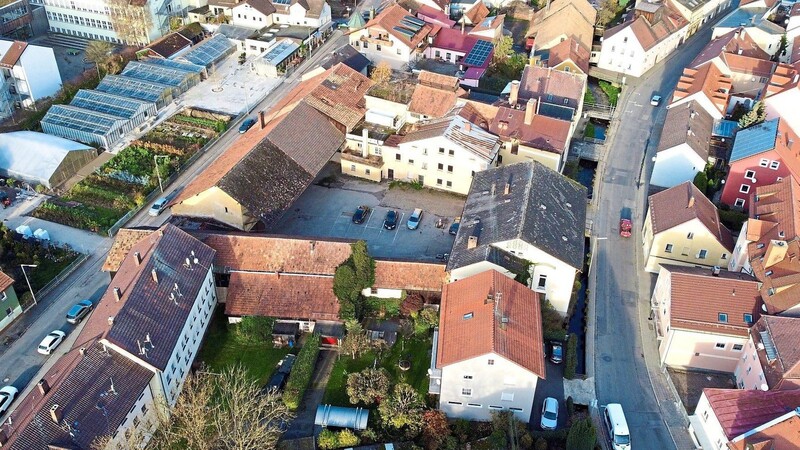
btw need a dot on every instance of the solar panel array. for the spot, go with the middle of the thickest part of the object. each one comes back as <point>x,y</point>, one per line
<point>107,103</point>
<point>131,87</point>
<point>769,346</point>
<point>80,119</point>
<point>156,73</point>
<point>479,53</point>
<point>210,51</point>
<point>282,2</point>
<point>187,66</point>
<point>412,23</point>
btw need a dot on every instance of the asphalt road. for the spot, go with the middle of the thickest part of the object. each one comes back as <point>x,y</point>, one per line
<point>622,337</point>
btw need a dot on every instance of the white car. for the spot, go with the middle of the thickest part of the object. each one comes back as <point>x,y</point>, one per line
<point>51,341</point>
<point>7,396</point>
<point>655,100</point>
<point>549,414</point>
<point>157,207</point>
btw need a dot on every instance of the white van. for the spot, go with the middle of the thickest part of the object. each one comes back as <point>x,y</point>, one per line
<point>617,426</point>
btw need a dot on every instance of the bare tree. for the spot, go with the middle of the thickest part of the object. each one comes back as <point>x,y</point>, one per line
<point>132,23</point>
<point>99,52</point>
<point>382,73</point>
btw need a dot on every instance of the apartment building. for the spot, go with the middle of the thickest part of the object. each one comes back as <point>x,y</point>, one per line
<point>29,74</point>
<point>770,360</point>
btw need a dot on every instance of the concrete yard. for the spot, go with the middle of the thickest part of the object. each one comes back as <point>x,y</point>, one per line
<point>327,212</point>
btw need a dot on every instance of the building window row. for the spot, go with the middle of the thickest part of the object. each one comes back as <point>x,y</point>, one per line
<point>79,20</point>
<point>77,6</point>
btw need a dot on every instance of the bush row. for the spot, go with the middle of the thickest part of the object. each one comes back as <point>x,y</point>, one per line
<point>302,371</point>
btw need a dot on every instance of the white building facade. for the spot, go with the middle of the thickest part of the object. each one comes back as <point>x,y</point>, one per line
<point>28,78</point>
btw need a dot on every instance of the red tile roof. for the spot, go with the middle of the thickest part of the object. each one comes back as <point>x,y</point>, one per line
<point>5,281</point>
<point>477,13</point>
<point>682,203</point>
<point>391,17</point>
<point>707,80</point>
<point>782,368</point>
<point>435,16</point>
<point>734,41</point>
<point>697,297</point>
<point>454,40</point>
<point>783,435</point>
<point>463,337</point>
<point>540,82</point>
<point>406,275</point>
<point>544,133</point>
<point>10,58</point>
<point>740,410</point>
<point>282,296</point>
<point>569,50</point>
<point>435,95</point>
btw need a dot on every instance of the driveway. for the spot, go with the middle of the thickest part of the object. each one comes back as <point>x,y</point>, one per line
<point>551,386</point>
<point>303,424</point>
<point>327,212</point>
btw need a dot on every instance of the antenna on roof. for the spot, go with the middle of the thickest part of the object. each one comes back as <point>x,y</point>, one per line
<point>177,289</point>
<point>148,341</point>
<point>188,264</point>
<point>173,298</point>
<point>111,390</point>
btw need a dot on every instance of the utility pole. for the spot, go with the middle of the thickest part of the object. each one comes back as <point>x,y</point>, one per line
<point>23,266</point>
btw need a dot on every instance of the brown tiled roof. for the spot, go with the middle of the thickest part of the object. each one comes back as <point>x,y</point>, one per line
<point>281,295</point>
<point>708,81</point>
<point>265,7</point>
<point>391,17</point>
<point>9,59</point>
<point>733,42</point>
<point>458,130</point>
<point>339,94</point>
<point>550,23</point>
<point>544,133</point>
<point>124,240</point>
<point>490,23</point>
<point>697,297</point>
<point>740,410</point>
<point>5,281</point>
<point>431,102</point>
<point>310,150</point>
<point>783,336</point>
<point>690,124</point>
<point>438,81</point>
<point>484,332</point>
<point>169,45</point>
<point>414,276</point>
<point>778,436</point>
<point>649,34</point>
<point>682,203</point>
<point>569,50</point>
<point>538,82</point>
<point>270,253</point>
<point>477,13</point>
<point>748,65</point>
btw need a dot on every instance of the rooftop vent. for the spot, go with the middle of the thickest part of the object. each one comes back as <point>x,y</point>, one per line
<point>110,320</point>
<point>56,415</point>
<point>507,189</point>
<point>154,274</point>
<point>472,242</point>
<point>117,293</point>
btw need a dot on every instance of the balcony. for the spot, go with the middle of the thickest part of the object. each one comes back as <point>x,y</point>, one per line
<point>378,40</point>
<point>354,155</point>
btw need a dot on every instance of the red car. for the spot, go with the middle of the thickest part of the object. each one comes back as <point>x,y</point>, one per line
<point>625,227</point>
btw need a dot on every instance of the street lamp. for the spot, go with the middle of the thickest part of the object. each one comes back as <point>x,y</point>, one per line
<point>158,172</point>
<point>23,266</point>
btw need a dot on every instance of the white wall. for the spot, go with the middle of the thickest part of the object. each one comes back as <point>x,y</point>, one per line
<point>675,166</point>
<point>749,373</point>
<point>623,53</point>
<point>711,426</point>
<point>396,55</point>
<point>740,261</point>
<point>41,71</point>
<point>488,384</point>
<point>143,418</point>
<point>244,15</point>
<point>479,267</point>
<point>382,293</point>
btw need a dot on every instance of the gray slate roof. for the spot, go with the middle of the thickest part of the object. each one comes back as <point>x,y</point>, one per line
<point>544,209</point>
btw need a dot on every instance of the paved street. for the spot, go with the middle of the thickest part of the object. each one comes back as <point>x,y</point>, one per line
<point>623,337</point>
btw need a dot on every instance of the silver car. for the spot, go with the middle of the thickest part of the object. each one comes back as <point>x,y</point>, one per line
<point>51,341</point>
<point>7,396</point>
<point>549,414</point>
<point>158,207</point>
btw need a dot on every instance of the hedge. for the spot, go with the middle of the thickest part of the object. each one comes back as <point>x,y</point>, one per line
<point>571,357</point>
<point>301,374</point>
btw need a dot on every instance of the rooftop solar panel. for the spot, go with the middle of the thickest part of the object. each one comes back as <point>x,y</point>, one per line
<point>479,53</point>
<point>411,26</point>
<point>414,20</point>
<point>282,2</point>
<point>769,346</point>
<point>405,32</point>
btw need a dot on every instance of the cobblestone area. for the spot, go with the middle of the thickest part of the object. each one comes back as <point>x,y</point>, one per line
<point>690,385</point>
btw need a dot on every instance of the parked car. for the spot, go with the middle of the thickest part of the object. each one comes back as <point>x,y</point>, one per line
<point>556,352</point>
<point>246,125</point>
<point>454,226</point>
<point>625,227</point>
<point>414,220</point>
<point>281,375</point>
<point>361,214</point>
<point>7,396</point>
<point>617,426</point>
<point>51,341</point>
<point>158,207</point>
<point>390,222</point>
<point>79,311</point>
<point>655,100</point>
<point>549,419</point>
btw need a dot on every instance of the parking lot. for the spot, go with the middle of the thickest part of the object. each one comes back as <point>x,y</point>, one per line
<point>327,212</point>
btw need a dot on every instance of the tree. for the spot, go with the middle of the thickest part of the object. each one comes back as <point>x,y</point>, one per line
<point>255,329</point>
<point>701,181</point>
<point>502,48</point>
<point>753,117</point>
<point>327,440</point>
<point>571,357</point>
<point>382,73</point>
<point>426,319</point>
<point>99,52</point>
<point>781,48</point>
<point>356,341</point>
<point>607,12</point>
<point>582,435</point>
<point>403,410</point>
<point>364,265</point>
<point>412,304</point>
<point>351,277</point>
<point>347,438</point>
<point>368,386</point>
<point>436,430</point>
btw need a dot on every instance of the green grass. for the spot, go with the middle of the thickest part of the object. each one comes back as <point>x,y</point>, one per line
<point>414,349</point>
<point>589,130</point>
<point>222,348</point>
<point>611,91</point>
<point>588,96</point>
<point>47,270</point>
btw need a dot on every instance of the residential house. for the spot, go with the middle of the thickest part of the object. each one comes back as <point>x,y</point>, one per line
<point>755,22</point>
<point>10,308</point>
<point>469,14</point>
<point>682,227</point>
<point>703,316</point>
<point>435,16</point>
<point>254,14</point>
<point>169,46</point>
<point>267,168</point>
<point>132,355</point>
<point>453,45</point>
<point>771,359</point>
<point>762,154</point>
<point>635,46</point>
<point>307,13</point>
<point>490,330</point>
<point>522,218</point>
<point>683,150</point>
<point>723,415</point>
<point>707,86</point>
<point>395,278</point>
<point>698,13</point>
<point>736,41</point>
<point>29,73</point>
<point>434,96</point>
<point>394,36</point>
<point>769,243</point>
<point>783,94</point>
<point>490,28</point>
<point>346,55</point>
<point>778,433</point>
<point>569,56</point>
<point>547,28</point>
<point>558,94</point>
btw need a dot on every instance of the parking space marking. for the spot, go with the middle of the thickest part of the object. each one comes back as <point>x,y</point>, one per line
<point>397,228</point>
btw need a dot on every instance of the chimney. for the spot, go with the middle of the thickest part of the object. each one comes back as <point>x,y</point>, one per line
<point>118,293</point>
<point>371,13</point>
<point>364,144</point>
<point>507,189</point>
<point>110,320</point>
<point>472,242</point>
<point>155,276</point>
<point>261,119</point>
<point>44,386</point>
<point>56,415</point>
<point>463,19</point>
<point>547,8</point>
<point>715,271</point>
<point>530,109</point>
<point>82,351</point>
<point>514,95</point>
<point>467,127</point>
<point>691,202</point>
<point>3,438</point>
<point>138,257</point>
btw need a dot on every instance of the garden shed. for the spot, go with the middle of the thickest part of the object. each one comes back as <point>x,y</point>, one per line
<point>285,333</point>
<point>39,158</point>
<point>341,417</point>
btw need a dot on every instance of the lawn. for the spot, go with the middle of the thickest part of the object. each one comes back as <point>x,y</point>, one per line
<point>588,96</point>
<point>222,348</point>
<point>417,350</point>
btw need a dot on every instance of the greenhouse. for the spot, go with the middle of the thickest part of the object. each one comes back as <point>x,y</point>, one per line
<point>180,79</point>
<point>136,111</point>
<point>209,52</point>
<point>160,94</point>
<point>83,125</point>
<point>39,158</point>
<point>182,65</point>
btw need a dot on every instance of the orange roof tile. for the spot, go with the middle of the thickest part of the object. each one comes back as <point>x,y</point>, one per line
<point>282,296</point>
<point>782,435</point>
<point>706,80</point>
<point>682,203</point>
<point>391,17</point>
<point>5,281</point>
<point>10,58</point>
<point>413,276</point>
<point>569,50</point>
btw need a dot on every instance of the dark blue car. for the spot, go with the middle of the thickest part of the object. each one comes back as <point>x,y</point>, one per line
<point>246,125</point>
<point>390,222</point>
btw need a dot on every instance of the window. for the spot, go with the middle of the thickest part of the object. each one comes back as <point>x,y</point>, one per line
<point>495,407</point>
<point>366,171</point>
<point>566,101</point>
<point>411,162</point>
<point>764,162</point>
<point>516,409</point>
<point>702,254</point>
<point>724,256</point>
<point>668,248</point>
<point>467,377</point>
<point>748,319</point>
<point>9,311</point>
<point>744,189</point>
<point>449,169</point>
<point>507,396</point>
<point>454,403</point>
<point>378,47</point>
<point>441,150</point>
<point>449,184</point>
<point>750,175</point>
<point>451,152</point>
<point>468,316</point>
<point>491,362</point>
<point>719,345</point>
<point>690,236</point>
<point>438,181</point>
<point>739,203</point>
<point>424,166</point>
<point>774,165</point>
<point>352,167</point>
<point>440,166</point>
<point>749,369</point>
<point>466,392</point>
<point>474,405</point>
<point>398,52</point>
<point>542,282</point>
<point>705,416</point>
<point>398,157</point>
<point>722,317</point>
<point>737,347</point>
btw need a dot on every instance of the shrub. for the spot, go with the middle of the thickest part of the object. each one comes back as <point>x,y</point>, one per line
<point>571,357</point>
<point>541,444</point>
<point>412,303</point>
<point>255,329</point>
<point>701,181</point>
<point>582,435</point>
<point>347,438</point>
<point>570,407</point>
<point>327,440</point>
<point>302,371</point>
